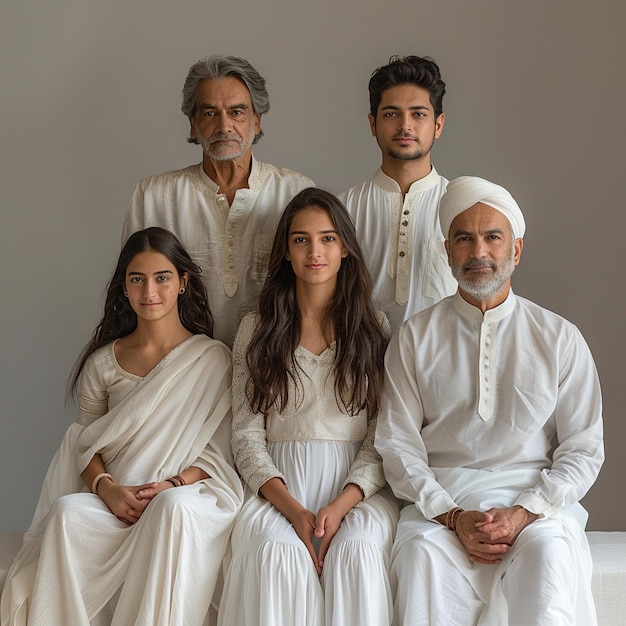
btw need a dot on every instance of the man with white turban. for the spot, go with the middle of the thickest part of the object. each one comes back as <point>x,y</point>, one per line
<point>491,426</point>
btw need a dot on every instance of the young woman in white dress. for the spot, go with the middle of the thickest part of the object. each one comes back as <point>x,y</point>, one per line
<point>311,543</point>
<point>138,503</point>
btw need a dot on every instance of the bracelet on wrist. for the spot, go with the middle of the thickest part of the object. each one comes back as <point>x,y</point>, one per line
<point>97,479</point>
<point>452,516</point>
<point>177,481</point>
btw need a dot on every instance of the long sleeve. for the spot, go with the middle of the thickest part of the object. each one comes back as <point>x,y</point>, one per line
<point>367,469</point>
<point>579,453</point>
<point>513,390</point>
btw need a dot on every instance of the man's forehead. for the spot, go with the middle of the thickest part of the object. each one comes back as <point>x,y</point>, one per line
<point>230,89</point>
<point>405,94</point>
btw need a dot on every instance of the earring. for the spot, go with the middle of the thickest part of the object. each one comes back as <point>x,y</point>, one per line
<point>126,294</point>
<point>181,291</point>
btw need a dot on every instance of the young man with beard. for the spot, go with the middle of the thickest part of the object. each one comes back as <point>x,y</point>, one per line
<point>395,212</point>
<point>225,209</point>
<point>491,424</point>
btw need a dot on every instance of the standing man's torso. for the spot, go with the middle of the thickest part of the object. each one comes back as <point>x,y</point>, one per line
<point>402,243</point>
<point>230,243</point>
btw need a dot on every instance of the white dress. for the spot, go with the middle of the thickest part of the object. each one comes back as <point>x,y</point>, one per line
<point>317,450</point>
<point>79,564</point>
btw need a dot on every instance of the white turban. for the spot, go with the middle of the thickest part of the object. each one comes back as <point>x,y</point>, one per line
<point>466,191</point>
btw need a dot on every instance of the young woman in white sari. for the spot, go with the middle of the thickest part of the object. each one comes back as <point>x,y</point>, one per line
<point>138,503</point>
<point>312,541</point>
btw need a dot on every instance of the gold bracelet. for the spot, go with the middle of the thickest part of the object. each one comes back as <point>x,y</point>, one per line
<point>452,516</point>
<point>97,479</point>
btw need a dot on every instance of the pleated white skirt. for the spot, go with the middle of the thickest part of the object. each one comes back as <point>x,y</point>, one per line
<point>272,581</point>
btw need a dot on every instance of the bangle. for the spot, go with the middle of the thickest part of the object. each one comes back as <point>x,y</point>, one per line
<point>97,479</point>
<point>452,517</point>
<point>177,481</point>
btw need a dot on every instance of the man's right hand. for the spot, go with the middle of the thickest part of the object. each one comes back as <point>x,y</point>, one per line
<point>477,543</point>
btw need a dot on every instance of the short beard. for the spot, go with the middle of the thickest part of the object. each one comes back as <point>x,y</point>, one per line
<point>399,155</point>
<point>403,156</point>
<point>483,288</point>
<point>208,143</point>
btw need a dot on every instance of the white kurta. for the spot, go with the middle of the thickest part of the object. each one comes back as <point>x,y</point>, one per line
<point>481,411</point>
<point>77,556</point>
<point>402,243</point>
<point>316,449</point>
<point>231,244</point>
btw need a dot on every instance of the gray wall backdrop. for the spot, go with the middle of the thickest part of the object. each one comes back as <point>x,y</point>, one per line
<point>90,97</point>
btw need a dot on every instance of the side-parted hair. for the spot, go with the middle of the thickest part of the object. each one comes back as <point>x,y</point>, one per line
<point>120,320</point>
<point>420,71</point>
<point>359,338</point>
<point>221,66</point>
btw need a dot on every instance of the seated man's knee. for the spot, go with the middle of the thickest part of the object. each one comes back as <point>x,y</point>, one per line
<point>545,552</point>
<point>415,555</point>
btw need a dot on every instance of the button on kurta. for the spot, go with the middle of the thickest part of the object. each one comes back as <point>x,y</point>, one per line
<point>486,400</point>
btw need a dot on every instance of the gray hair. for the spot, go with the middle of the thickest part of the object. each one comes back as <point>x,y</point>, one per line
<point>221,66</point>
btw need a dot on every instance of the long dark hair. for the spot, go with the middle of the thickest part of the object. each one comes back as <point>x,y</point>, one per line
<point>360,340</point>
<point>120,320</point>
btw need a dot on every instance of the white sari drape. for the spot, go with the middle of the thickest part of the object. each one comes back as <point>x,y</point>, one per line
<point>77,556</point>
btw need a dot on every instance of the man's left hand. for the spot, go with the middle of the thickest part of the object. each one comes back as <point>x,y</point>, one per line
<point>505,526</point>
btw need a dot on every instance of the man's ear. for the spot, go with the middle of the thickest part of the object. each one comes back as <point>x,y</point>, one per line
<point>193,134</point>
<point>439,122</point>
<point>372,121</point>
<point>517,250</point>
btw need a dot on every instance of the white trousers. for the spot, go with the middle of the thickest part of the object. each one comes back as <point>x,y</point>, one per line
<point>544,580</point>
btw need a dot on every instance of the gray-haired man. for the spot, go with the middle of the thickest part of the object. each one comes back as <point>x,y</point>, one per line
<point>225,209</point>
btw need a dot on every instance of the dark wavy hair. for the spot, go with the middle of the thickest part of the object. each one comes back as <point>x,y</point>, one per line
<point>420,71</point>
<point>120,320</point>
<point>360,340</point>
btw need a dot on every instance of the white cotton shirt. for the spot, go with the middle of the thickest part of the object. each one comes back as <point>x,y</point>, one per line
<point>514,389</point>
<point>231,244</point>
<point>402,243</point>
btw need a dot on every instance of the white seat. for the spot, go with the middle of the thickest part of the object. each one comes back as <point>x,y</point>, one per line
<point>608,550</point>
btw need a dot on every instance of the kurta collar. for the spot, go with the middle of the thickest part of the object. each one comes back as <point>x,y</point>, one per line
<point>389,184</point>
<point>256,177</point>
<point>473,313</point>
